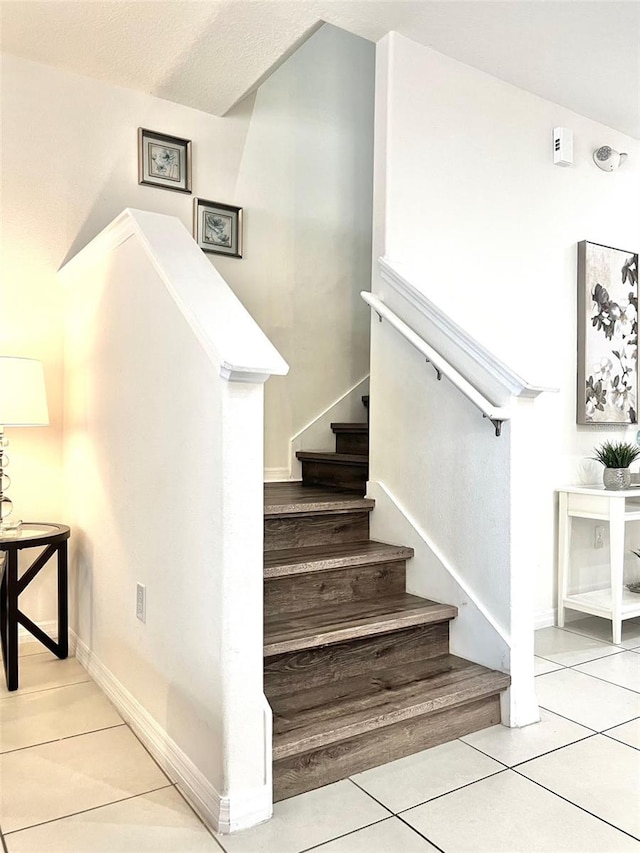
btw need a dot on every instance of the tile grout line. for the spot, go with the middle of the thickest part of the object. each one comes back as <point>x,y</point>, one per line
<point>2,842</point>
<point>575,805</point>
<point>595,731</point>
<point>621,742</point>
<point>556,749</point>
<point>595,639</point>
<point>453,790</point>
<point>426,838</point>
<point>60,739</point>
<point>599,678</point>
<point>477,749</point>
<point>85,811</point>
<point>16,693</point>
<point>375,799</point>
<point>347,834</point>
<point>617,651</point>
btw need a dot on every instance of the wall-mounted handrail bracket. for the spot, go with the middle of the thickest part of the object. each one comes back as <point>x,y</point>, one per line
<point>497,424</point>
<point>496,414</point>
<point>438,372</point>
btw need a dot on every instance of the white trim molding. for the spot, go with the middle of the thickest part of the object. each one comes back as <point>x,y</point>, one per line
<point>220,813</point>
<point>277,475</point>
<point>225,329</point>
<point>496,414</point>
<point>514,384</point>
<point>444,562</point>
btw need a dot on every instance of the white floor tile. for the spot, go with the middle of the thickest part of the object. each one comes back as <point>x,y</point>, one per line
<point>567,648</point>
<point>32,718</point>
<point>628,733</point>
<point>598,774</point>
<point>509,814</point>
<point>420,777</point>
<point>600,629</point>
<point>160,821</point>
<point>307,820</point>
<point>61,778</point>
<point>389,836</point>
<point>543,666</point>
<point>622,669</point>
<point>586,700</point>
<point>43,671</point>
<point>511,746</point>
<point>29,647</point>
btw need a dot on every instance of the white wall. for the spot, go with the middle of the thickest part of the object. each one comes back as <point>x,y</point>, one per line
<point>306,180</point>
<point>69,166</point>
<point>163,464</point>
<point>481,220</point>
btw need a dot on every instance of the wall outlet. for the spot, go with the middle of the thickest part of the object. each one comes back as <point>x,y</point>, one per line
<point>141,602</point>
<point>598,537</point>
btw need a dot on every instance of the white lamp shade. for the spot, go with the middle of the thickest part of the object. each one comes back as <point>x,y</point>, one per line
<point>23,399</point>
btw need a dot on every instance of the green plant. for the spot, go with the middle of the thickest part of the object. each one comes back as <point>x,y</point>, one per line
<point>618,454</point>
<point>634,587</point>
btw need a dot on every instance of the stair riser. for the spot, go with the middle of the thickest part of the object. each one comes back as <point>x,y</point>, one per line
<point>349,476</point>
<point>329,764</point>
<point>352,442</point>
<point>293,593</point>
<point>322,666</point>
<point>315,529</point>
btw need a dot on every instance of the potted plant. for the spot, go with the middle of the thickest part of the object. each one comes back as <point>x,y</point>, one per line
<point>635,586</point>
<point>616,456</point>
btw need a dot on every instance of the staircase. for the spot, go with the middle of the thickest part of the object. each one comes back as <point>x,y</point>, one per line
<point>357,671</point>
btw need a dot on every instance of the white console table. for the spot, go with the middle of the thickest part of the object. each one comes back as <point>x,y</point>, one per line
<point>617,508</point>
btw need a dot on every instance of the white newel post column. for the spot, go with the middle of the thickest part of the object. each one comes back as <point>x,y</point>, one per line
<point>520,706</point>
<point>247,796</point>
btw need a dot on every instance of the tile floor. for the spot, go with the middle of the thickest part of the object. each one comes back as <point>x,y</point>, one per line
<point>74,779</point>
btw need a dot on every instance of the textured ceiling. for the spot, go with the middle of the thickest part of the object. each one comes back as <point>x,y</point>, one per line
<point>208,54</point>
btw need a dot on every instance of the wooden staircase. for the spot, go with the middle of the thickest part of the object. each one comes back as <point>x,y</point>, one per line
<point>356,670</point>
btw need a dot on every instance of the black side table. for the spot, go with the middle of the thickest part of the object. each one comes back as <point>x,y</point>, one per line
<point>53,537</point>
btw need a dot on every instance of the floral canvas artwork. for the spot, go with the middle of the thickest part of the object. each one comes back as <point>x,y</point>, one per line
<point>164,161</point>
<point>217,227</point>
<point>607,335</point>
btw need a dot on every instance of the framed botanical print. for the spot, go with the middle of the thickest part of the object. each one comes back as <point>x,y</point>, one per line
<point>607,335</point>
<point>164,161</point>
<point>217,227</point>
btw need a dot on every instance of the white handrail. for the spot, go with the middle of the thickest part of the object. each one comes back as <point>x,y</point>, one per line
<point>496,414</point>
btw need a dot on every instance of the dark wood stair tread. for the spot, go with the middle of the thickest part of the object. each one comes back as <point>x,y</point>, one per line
<point>338,623</point>
<point>318,558</point>
<point>294,498</point>
<point>328,456</point>
<point>340,427</point>
<point>313,718</point>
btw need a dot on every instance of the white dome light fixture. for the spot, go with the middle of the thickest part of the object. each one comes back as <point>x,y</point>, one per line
<point>607,159</point>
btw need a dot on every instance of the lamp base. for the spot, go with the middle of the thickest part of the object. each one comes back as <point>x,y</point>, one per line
<point>10,528</point>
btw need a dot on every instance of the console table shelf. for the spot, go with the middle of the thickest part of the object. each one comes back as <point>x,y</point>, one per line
<point>598,504</point>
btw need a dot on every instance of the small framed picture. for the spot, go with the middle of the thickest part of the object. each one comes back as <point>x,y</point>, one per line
<point>217,227</point>
<point>164,161</point>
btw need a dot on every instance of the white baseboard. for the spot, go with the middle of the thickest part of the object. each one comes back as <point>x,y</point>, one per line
<point>50,627</point>
<point>222,814</point>
<point>544,618</point>
<point>276,475</point>
<point>317,434</point>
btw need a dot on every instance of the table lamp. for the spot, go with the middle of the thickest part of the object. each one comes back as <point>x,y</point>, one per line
<point>23,402</point>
